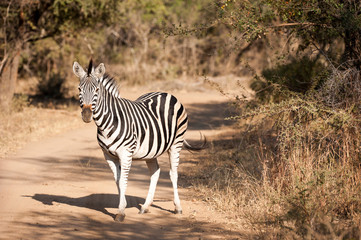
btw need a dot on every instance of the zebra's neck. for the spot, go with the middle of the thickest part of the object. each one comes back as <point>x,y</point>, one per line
<point>108,95</point>
<point>110,86</point>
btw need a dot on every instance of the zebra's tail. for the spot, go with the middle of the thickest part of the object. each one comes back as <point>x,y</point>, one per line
<point>199,147</point>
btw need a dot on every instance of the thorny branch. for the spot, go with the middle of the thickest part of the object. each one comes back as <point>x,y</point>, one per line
<point>3,61</point>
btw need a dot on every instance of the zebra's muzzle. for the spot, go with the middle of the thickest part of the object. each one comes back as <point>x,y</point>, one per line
<point>87,113</point>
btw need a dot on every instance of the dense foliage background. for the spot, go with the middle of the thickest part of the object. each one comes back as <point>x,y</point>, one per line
<point>167,39</point>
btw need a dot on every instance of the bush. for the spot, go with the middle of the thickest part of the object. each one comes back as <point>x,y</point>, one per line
<point>297,170</point>
<point>53,86</point>
<point>297,76</point>
<point>343,90</point>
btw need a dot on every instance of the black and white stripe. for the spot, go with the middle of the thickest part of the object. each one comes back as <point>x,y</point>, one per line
<point>147,127</point>
<point>153,124</point>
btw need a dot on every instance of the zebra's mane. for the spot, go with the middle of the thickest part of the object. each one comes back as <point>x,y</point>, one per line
<point>110,85</point>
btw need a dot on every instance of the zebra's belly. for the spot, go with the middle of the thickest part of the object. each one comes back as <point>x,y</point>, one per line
<point>145,155</point>
<point>138,155</point>
<point>148,149</point>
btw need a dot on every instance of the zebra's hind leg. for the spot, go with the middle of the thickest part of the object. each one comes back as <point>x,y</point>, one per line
<point>154,172</point>
<point>173,173</point>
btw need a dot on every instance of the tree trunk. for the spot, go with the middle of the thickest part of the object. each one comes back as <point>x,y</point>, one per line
<point>8,77</point>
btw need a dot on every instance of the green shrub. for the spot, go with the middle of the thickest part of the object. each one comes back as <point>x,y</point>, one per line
<point>53,86</point>
<point>298,76</point>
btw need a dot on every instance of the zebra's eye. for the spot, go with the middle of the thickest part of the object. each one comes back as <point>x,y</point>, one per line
<point>79,89</point>
<point>97,89</point>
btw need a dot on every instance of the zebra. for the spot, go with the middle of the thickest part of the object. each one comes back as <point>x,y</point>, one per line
<point>127,130</point>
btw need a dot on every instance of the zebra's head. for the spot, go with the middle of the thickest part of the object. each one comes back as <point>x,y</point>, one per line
<point>88,88</point>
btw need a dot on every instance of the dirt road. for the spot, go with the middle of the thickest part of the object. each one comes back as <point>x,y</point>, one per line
<point>61,188</point>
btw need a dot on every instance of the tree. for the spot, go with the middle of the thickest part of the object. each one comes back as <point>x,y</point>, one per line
<point>316,23</point>
<point>29,21</point>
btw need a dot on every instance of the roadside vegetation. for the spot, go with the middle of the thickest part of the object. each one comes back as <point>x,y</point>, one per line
<point>292,171</point>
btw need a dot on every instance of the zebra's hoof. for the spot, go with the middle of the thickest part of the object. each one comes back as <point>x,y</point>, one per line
<point>119,217</point>
<point>143,210</point>
<point>177,211</point>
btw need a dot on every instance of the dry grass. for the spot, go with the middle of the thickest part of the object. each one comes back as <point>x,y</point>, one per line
<point>292,172</point>
<point>300,199</point>
<point>25,124</point>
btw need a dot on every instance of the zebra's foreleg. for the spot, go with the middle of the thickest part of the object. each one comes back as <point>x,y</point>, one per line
<point>154,171</point>
<point>115,167</point>
<point>125,163</point>
<point>173,173</point>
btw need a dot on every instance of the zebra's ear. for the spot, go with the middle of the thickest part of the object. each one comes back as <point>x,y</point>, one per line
<point>100,70</point>
<point>78,70</point>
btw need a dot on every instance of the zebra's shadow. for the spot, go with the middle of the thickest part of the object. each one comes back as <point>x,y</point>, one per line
<point>98,202</point>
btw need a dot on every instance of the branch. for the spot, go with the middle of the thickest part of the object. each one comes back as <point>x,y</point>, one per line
<point>297,24</point>
<point>41,37</point>
<point>292,24</point>
<point>5,37</point>
<point>3,63</point>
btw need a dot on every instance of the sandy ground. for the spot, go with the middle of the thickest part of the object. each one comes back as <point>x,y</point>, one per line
<point>61,187</point>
